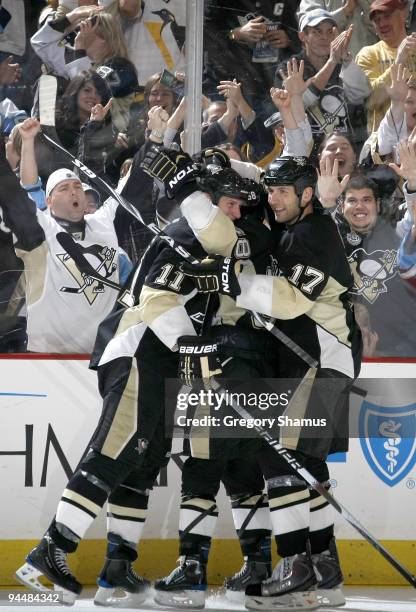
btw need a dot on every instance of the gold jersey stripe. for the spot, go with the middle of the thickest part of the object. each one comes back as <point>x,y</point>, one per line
<point>123,511</point>
<point>289,499</point>
<point>81,500</point>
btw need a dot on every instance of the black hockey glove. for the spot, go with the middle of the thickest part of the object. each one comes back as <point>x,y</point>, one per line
<point>174,168</point>
<point>215,275</point>
<point>198,361</point>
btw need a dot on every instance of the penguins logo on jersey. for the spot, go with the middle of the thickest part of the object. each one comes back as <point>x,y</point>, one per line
<point>198,317</point>
<point>301,161</point>
<point>273,268</point>
<point>102,258</point>
<point>372,271</point>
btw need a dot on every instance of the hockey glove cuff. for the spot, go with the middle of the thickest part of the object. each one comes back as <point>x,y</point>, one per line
<point>173,168</point>
<point>215,275</point>
<point>198,360</point>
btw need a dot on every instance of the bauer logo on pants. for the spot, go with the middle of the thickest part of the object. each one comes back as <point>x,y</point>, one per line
<point>387,437</point>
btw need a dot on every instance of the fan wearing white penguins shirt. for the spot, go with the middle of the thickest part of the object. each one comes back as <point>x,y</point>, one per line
<point>63,310</point>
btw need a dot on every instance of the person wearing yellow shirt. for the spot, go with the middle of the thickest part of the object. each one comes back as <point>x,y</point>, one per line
<point>394,47</point>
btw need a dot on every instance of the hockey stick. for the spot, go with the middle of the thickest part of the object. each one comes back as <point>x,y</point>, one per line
<point>319,488</point>
<point>250,515</point>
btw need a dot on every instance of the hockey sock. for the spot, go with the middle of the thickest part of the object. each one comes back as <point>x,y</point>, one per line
<point>252,523</point>
<point>63,537</point>
<point>197,520</point>
<point>289,512</point>
<point>80,504</point>
<point>321,528</point>
<point>117,548</point>
<point>126,513</point>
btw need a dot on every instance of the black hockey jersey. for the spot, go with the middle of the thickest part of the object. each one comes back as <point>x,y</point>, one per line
<point>311,259</point>
<point>165,300</point>
<point>169,302</point>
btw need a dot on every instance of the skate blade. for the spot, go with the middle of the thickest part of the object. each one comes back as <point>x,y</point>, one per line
<point>109,597</point>
<point>301,600</point>
<point>180,599</point>
<point>331,597</point>
<point>235,596</point>
<point>28,575</point>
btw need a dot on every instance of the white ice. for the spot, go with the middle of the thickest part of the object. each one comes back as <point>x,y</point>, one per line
<point>359,599</point>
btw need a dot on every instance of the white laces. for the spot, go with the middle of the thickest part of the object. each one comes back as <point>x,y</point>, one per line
<point>60,559</point>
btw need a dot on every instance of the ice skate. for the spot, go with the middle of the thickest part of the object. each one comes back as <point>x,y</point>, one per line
<point>118,576</point>
<point>46,559</point>
<point>292,586</point>
<point>329,574</point>
<point>185,587</point>
<point>253,571</point>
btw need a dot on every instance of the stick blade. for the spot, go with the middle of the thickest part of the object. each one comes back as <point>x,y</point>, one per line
<point>48,87</point>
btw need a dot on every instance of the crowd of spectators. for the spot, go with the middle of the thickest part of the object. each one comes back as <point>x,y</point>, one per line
<point>334,80</point>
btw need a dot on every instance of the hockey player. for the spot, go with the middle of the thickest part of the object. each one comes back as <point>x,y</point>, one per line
<point>128,446</point>
<point>245,352</point>
<point>310,297</point>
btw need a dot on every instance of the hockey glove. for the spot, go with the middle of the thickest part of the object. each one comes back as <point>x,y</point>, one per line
<point>198,360</point>
<point>173,168</point>
<point>215,275</point>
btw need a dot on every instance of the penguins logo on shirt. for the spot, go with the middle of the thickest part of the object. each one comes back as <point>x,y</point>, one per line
<point>329,112</point>
<point>371,272</point>
<point>101,258</point>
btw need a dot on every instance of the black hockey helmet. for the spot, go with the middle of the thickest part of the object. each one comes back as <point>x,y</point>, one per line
<point>296,171</point>
<point>213,158</point>
<point>227,182</point>
<point>255,201</point>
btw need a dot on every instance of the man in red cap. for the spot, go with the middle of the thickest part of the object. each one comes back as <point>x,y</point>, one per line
<point>394,47</point>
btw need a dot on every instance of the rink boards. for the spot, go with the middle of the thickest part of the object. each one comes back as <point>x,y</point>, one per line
<point>49,408</point>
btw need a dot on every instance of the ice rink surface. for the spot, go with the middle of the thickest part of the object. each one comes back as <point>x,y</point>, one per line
<point>359,599</point>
